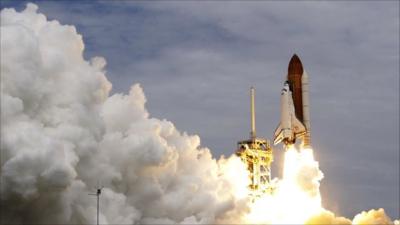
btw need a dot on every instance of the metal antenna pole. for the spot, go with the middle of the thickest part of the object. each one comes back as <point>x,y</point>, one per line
<point>98,206</point>
<point>98,193</point>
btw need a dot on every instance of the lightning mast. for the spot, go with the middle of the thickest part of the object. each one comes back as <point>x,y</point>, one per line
<point>253,114</point>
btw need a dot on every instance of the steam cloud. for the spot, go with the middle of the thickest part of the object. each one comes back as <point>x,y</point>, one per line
<point>61,134</point>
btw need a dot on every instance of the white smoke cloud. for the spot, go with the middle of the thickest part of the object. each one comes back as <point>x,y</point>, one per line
<point>61,133</point>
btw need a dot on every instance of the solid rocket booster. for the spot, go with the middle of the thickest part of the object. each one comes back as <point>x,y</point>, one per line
<point>295,112</point>
<point>306,110</point>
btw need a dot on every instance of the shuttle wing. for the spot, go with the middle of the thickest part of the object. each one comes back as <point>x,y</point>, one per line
<point>278,135</point>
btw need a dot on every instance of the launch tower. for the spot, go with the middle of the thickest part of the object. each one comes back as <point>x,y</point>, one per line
<point>257,154</point>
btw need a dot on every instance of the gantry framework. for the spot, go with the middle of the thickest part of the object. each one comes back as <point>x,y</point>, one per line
<point>258,156</point>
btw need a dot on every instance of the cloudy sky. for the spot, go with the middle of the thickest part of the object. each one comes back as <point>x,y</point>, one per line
<point>197,60</point>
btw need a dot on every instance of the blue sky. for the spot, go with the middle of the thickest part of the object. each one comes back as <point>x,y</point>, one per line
<point>196,61</point>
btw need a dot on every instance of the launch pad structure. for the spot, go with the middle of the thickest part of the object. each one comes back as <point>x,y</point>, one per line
<point>257,154</point>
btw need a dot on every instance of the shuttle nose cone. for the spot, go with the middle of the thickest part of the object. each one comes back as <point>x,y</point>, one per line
<point>295,66</point>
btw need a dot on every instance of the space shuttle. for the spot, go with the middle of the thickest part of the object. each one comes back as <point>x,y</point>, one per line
<point>295,112</point>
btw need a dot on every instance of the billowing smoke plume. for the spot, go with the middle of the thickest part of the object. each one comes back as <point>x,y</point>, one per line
<point>61,134</point>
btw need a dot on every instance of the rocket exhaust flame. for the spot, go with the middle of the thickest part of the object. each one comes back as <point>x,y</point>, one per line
<point>297,200</point>
<point>296,196</point>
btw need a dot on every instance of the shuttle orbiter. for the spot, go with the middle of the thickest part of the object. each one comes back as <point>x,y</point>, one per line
<point>295,113</point>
